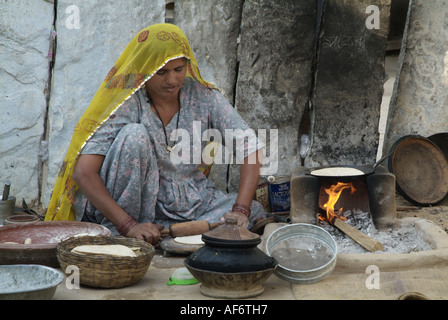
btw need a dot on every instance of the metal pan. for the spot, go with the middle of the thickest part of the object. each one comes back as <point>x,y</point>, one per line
<point>305,253</point>
<point>420,168</point>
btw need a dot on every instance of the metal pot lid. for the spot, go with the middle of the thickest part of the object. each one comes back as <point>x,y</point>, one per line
<point>420,168</point>
<point>230,235</point>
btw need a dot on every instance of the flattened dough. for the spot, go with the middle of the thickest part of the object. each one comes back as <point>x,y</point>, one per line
<point>337,172</point>
<point>196,239</point>
<point>116,250</point>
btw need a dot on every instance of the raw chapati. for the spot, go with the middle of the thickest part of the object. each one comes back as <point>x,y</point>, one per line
<point>337,172</point>
<point>116,250</point>
<point>196,239</point>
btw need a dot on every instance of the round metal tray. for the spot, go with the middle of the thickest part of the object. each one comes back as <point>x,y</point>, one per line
<point>29,282</point>
<point>305,253</point>
<point>421,170</point>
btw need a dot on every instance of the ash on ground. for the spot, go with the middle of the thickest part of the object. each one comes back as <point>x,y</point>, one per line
<point>399,239</point>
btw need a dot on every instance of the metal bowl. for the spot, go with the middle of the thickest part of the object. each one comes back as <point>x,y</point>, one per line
<point>44,236</point>
<point>28,282</point>
<point>305,253</point>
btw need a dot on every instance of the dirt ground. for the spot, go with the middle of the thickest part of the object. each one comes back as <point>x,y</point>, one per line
<point>438,214</point>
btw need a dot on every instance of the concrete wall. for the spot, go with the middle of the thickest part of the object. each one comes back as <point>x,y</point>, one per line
<point>25,27</point>
<point>419,103</point>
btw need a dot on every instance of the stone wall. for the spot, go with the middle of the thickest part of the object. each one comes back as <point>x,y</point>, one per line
<point>420,97</point>
<point>349,83</point>
<point>275,75</point>
<point>213,28</point>
<point>25,27</point>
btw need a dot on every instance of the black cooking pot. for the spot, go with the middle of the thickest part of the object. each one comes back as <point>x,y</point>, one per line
<point>230,249</point>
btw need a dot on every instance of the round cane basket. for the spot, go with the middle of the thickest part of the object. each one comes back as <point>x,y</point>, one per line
<point>106,271</point>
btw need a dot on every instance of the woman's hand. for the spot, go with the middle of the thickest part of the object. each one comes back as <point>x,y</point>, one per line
<point>87,177</point>
<point>148,232</point>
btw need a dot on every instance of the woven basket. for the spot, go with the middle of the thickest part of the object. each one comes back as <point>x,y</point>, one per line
<point>102,271</point>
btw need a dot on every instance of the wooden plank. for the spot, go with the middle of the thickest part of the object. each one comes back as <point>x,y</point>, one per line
<point>361,238</point>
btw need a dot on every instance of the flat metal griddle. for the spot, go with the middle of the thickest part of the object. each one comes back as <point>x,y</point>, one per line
<point>420,168</point>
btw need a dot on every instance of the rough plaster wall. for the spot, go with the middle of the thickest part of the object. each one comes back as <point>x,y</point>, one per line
<point>420,97</point>
<point>24,72</point>
<point>213,28</point>
<point>349,84</point>
<point>275,75</point>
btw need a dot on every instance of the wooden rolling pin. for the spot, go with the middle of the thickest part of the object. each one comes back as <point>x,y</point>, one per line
<point>189,228</point>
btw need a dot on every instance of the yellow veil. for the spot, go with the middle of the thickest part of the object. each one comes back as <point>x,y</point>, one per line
<point>149,51</point>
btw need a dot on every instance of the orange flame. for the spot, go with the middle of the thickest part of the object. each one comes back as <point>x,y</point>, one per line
<point>334,192</point>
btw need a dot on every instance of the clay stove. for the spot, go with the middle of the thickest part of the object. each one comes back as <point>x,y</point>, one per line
<point>372,192</point>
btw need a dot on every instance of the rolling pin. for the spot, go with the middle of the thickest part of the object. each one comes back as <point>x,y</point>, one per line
<point>190,228</point>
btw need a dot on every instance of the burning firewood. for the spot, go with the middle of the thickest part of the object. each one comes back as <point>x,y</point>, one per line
<point>328,214</point>
<point>361,238</point>
<point>356,235</point>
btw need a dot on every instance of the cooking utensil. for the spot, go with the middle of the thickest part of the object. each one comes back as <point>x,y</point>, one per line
<point>190,228</point>
<point>305,253</point>
<point>441,140</point>
<point>230,265</point>
<point>420,168</point>
<point>45,236</point>
<point>28,282</point>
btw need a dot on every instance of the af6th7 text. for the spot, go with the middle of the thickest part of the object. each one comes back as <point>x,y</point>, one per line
<point>230,309</point>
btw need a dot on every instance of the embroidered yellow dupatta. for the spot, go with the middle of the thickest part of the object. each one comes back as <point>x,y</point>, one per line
<point>149,51</point>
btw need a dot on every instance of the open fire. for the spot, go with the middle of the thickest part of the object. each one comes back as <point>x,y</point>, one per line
<point>330,214</point>
<point>334,193</point>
